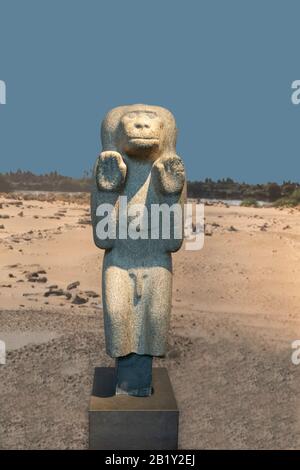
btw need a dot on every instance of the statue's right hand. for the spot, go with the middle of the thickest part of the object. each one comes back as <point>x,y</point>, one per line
<point>110,171</point>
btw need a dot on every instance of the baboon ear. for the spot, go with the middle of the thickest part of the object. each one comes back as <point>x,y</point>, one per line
<point>109,128</point>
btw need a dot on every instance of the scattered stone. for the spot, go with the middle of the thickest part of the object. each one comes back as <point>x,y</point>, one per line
<point>53,286</point>
<point>232,229</point>
<point>4,216</point>
<point>73,285</point>
<point>264,227</point>
<point>2,226</point>
<point>31,275</point>
<point>85,221</point>
<point>286,227</point>
<point>6,285</point>
<point>91,293</point>
<point>34,277</point>
<point>58,292</point>
<point>11,275</point>
<point>78,300</point>
<point>30,294</point>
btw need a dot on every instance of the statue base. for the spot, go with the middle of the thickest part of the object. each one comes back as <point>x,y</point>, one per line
<point>118,422</point>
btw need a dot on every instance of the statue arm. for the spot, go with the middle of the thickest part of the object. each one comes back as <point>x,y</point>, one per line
<point>170,182</point>
<point>109,179</point>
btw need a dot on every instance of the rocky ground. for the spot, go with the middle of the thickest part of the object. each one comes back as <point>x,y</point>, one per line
<point>235,315</point>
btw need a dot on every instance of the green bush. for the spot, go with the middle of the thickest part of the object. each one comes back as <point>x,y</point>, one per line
<point>289,201</point>
<point>251,202</point>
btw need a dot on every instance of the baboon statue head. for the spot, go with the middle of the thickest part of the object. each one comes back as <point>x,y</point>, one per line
<point>139,131</point>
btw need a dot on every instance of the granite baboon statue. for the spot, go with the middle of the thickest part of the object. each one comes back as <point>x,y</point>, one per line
<point>138,161</point>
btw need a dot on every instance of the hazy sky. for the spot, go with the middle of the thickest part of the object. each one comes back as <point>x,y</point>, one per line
<point>224,68</point>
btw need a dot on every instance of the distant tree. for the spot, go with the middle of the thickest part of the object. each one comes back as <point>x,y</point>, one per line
<point>274,191</point>
<point>229,181</point>
<point>5,186</point>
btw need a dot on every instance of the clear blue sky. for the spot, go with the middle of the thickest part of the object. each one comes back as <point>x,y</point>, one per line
<point>224,68</point>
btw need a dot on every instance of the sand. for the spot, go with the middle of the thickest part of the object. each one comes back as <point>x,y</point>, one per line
<point>235,314</point>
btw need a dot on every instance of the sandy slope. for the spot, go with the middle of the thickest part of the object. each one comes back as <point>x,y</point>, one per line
<point>235,314</point>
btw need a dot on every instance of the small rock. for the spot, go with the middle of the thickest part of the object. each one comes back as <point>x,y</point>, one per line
<point>73,285</point>
<point>37,279</point>
<point>78,300</point>
<point>34,274</point>
<point>58,292</point>
<point>2,226</point>
<point>21,214</point>
<point>4,216</point>
<point>264,227</point>
<point>91,293</point>
<point>84,221</point>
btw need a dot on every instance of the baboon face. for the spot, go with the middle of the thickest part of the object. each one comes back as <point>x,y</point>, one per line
<point>141,133</point>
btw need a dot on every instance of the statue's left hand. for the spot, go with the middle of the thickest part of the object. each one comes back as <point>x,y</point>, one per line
<point>170,174</point>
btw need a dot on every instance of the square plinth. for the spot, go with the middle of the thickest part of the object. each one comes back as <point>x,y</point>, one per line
<point>119,422</point>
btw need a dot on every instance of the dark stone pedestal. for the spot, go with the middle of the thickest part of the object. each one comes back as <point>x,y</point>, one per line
<point>119,422</point>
